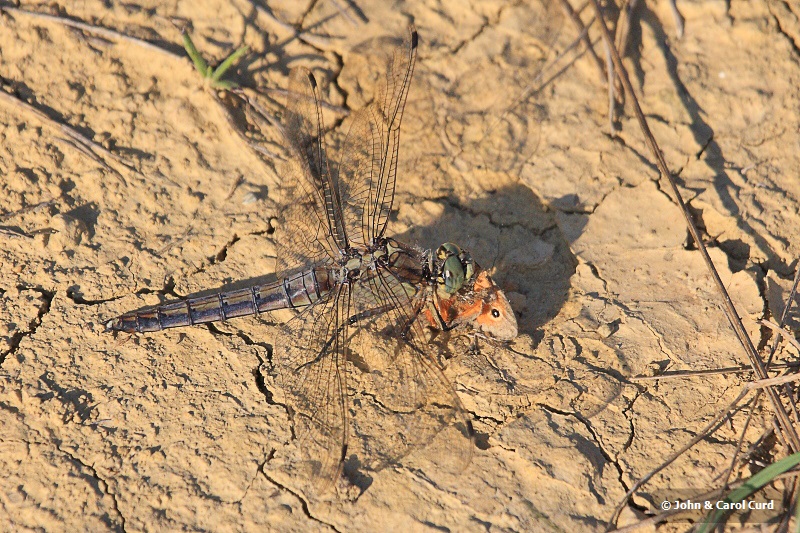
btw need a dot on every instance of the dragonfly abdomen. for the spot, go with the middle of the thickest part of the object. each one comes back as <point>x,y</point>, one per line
<point>299,290</point>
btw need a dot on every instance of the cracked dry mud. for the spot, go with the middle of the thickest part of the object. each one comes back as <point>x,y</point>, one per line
<point>176,430</point>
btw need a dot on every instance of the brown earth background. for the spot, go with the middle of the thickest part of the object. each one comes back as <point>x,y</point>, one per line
<point>172,431</point>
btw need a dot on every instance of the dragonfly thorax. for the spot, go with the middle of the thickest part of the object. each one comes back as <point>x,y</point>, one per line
<point>383,253</point>
<point>351,265</point>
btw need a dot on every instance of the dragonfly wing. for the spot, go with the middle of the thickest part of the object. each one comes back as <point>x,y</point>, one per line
<point>368,167</point>
<point>310,365</point>
<point>414,401</point>
<point>311,217</point>
<point>358,165</point>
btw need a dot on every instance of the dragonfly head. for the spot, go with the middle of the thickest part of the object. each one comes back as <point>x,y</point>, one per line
<point>455,268</point>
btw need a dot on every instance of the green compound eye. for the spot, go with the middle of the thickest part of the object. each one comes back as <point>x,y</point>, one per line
<point>457,267</point>
<point>453,274</point>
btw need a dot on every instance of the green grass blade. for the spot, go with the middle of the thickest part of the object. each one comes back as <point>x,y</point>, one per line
<point>750,486</point>
<point>199,63</point>
<point>228,63</point>
<point>225,85</point>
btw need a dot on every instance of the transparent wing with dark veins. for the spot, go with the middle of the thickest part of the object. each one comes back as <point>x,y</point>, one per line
<point>309,359</point>
<point>368,168</point>
<point>396,367</point>
<point>365,336</point>
<point>312,231</point>
<point>312,370</point>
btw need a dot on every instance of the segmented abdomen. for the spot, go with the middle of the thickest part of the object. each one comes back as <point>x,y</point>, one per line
<point>299,290</point>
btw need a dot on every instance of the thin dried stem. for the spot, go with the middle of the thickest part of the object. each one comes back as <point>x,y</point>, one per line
<point>13,232</point>
<point>776,342</point>
<point>624,25</point>
<point>771,382</point>
<point>788,430</point>
<point>28,209</point>
<point>16,232</point>
<point>232,123</point>
<point>785,313</point>
<point>582,30</point>
<point>83,144</point>
<point>90,28</point>
<point>682,374</point>
<point>787,335</point>
<point>740,443</point>
<point>644,525</point>
<point>263,113</point>
<point>785,426</point>
<point>724,415</point>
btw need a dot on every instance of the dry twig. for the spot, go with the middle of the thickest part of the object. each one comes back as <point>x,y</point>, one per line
<point>723,416</point>
<point>582,30</point>
<point>787,429</point>
<point>106,33</point>
<point>682,374</point>
<point>713,494</point>
<point>28,209</point>
<point>782,332</point>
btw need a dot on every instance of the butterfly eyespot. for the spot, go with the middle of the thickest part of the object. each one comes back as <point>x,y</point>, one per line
<point>495,313</point>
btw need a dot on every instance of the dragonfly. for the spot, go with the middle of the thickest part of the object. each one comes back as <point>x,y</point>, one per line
<point>364,307</point>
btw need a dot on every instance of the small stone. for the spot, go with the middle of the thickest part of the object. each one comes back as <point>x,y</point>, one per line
<point>605,331</point>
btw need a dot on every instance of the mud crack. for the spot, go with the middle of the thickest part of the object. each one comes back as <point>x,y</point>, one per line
<point>261,383</point>
<point>475,213</point>
<point>220,256</point>
<point>102,487</point>
<point>607,456</point>
<point>74,294</point>
<point>300,498</point>
<point>704,146</point>
<point>487,23</point>
<point>628,412</point>
<point>781,30</point>
<point>33,325</point>
<point>259,470</point>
